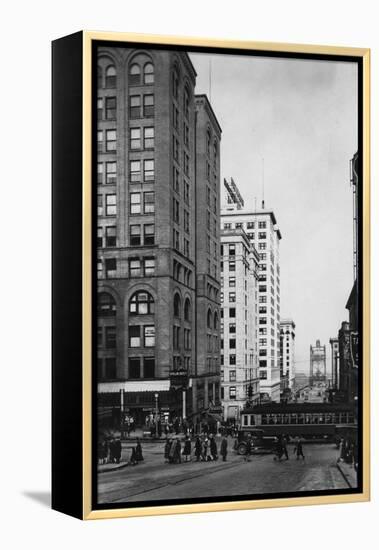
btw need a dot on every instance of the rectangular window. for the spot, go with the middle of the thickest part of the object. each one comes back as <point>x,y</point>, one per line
<point>135,138</point>
<point>99,241</point>
<point>111,140</point>
<point>110,236</point>
<point>148,105</point>
<point>232,328</point>
<point>148,137</point>
<point>186,134</point>
<point>134,368</point>
<point>100,173</point>
<point>175,148</point>
<point>175,117</point>
<point>232,343</point>
<point>135,106</point>
<point>99,269</point>
<point>232,296</point>
<point>100,105</point>
<point>232,282</point>
<point>148,367</point>
<point>232,392</point>
<point>110,108</point>
<point>250,225</point>
<point>149,267</point>
<point>148,170</point>
<point>135,203</point>
<point>232,266</point>
<point>134,336</point>
<point>232,312</point>
<point>149,336</point>
<point>135,171</point>
<point>262,225</point>
<point>186,164</point>
<point>232,376</point>
<point>175,174</point>
<point>110,174</point>
<point>262,235</point>
<point>100,138</point>
<point>148,234</point>
<point>135,235</point>
<point>135,268</point>
<point>110,205</point>
<point>110,337</point>
<point>110,268</point>
<point>148,203</point>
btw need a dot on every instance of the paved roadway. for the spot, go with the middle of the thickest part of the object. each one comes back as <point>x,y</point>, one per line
<point>155,480</point>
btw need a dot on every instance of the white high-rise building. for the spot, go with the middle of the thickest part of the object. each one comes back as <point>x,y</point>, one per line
<point>239,349</point>
<point>262,231</point>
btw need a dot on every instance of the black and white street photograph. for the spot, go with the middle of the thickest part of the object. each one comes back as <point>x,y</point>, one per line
<point>228,283</point>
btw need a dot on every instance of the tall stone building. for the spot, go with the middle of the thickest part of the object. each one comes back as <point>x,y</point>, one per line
<point>335,360</point>
<point>287,352</point>
<point>206,378</point>
<point>147,337</point>
<point>262,231</point>
<point>239,358</point>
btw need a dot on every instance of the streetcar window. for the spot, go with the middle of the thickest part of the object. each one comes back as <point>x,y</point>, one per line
<point>300,418</point>
<point>252,420</point>
<point>321,419</point>
<point>343,419</point>
<point>308,418</point>
<point>293,418</point>
<point>328,419</point>
<point>245,420</point>
<point>264,419</point>
<point>350,418</point>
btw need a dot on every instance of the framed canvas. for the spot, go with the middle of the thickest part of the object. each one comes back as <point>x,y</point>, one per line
<point>210,275</point>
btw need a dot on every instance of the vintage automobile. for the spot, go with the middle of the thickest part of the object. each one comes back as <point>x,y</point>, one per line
<point>261,443</point>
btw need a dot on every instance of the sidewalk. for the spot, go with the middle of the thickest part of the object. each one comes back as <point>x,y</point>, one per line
<point>348,473</point>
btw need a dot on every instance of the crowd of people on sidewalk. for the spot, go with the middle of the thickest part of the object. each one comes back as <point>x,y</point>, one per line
<point>203,449</point>
<point>109,451</point>
<point>348,452</point>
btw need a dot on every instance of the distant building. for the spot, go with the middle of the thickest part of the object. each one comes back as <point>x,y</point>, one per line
<point>239,358</point>
<point>335,362</point>
<point>262,231</point>
<point>317,363</point>
<point>287,353</point>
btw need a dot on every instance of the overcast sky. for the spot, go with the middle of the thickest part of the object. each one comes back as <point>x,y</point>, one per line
<point>301,117</point>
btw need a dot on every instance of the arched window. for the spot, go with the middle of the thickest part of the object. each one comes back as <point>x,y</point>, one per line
<point>99,77</point>
<point>209,319</point>
<point>134,74</point>
<point>110,77</point>
<point>177,305</point>
<point>215,321</point>
<point>187,310</point>
<point>215,152</point>
<point>141,303</point>
<point>186,102</point>
<point>175,83</point>
<point>148,74</point>
<point>106,305</point>
<point>208,143</point>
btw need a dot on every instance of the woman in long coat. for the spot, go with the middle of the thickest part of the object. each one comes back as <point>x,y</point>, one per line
<point>178,449</point>
<point>206,455</point>
<point>198,448</point>
<point>139,455</point>
<point>224,448</point>
<point>213,448</point>
<point>167,448</point>
<point>187,449</point>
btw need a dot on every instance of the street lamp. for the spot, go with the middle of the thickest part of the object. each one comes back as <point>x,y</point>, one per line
<point>156,395</point>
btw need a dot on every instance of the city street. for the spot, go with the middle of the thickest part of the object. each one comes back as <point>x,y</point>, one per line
<point>154,480</point>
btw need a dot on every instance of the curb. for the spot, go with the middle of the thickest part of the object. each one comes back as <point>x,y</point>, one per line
<point>113,469</point>
<point>344,475</point>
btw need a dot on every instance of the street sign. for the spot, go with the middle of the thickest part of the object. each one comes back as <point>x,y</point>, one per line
<point>178,379</point>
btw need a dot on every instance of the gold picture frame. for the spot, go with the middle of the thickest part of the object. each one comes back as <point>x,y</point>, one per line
<point>85,508</point>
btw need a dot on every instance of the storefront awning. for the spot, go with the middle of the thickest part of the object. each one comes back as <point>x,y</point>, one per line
<point>134,386</point>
